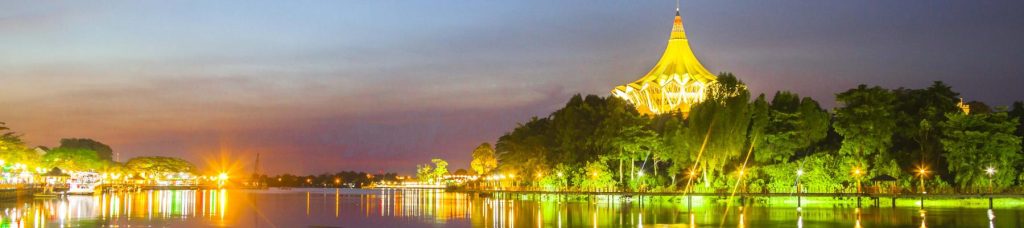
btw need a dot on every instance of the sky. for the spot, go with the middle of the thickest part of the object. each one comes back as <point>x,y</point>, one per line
<point>381,86</point>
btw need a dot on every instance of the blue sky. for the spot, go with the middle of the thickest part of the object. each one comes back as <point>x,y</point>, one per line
<point>385,85</point>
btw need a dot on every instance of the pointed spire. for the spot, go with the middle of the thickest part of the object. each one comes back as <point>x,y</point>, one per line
<point>677,27</point>
<point>675,83</point>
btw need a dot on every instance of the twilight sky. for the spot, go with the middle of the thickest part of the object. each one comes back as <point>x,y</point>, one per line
<point>385,85</point>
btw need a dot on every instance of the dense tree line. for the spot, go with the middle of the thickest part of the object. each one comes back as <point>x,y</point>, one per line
<point>603,143</point>
<point>76,154</point>
<point>340,179</point>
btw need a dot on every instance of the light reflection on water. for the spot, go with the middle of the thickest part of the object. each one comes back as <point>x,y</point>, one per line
<point>414,208</point>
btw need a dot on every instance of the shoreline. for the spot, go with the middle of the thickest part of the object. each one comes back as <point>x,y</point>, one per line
<point>755,195</point>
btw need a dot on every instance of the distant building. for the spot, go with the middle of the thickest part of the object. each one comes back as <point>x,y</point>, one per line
<point>674,84</point>
<point>964,107</point>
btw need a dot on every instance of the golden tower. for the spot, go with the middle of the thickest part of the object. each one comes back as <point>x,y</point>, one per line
<point>674,84</point>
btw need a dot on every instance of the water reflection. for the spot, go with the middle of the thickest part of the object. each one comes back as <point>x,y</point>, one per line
<point>416,208</point>
<point>146,204</point>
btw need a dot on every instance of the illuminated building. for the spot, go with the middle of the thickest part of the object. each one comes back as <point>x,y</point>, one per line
<point>964,106</point>
<point>674,84</point>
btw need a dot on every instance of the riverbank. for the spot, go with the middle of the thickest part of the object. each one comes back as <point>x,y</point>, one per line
<point>787,199</point>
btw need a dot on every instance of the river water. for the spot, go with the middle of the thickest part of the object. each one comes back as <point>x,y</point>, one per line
<point>436,208</point>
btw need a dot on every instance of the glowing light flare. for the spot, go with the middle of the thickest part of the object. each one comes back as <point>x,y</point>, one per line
<point>990,171</point>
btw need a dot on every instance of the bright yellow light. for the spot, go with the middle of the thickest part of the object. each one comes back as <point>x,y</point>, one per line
<point>799,172</point>
<point>560,174</point>
<point>641,173</point>
<point>856,172</point>
<point>991,171</point>
<point>222,176</point>
<point>676,82</point>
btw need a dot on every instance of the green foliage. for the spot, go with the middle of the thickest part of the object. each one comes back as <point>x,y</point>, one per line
<point>527,147</point>
<point>74,159</point>
<point>877,131</point>
<point>790,124</point>
<point>866,121</point>
<point>425,173</point>
<point>595,176</point>
<point>724,118</point>
<point>440,168</point>
<point>158,164</point>
<point>557,179</point>
<point>979,141</point>
<point>433,173</point>
<point>484,159</point>
<point>13,149</point>
<point>102,150</point>
<point>919,112</point>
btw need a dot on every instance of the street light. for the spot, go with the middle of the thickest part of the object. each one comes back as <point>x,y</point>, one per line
<point>990,171</point>
<point>922,172</point>
<point>799,172</point>
<point>856,174</point>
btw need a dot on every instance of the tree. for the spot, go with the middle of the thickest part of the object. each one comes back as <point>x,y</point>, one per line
<point>484,159</point>
<point>1017,112</point>
<point>527,148</point>
<point>595,176</point>
<point>866,121</point>
<point>976,142</point>
<point>159,164</point>
<point>102,150</point>
<point>425,173</point>
<point>790,124</point>
<point>73,159</point>
<point>918,114</point>
<point>13,149</point>
<point>440,168</point>
<point>724,120</point>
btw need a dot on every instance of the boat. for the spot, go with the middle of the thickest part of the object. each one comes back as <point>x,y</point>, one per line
<point>84,183</point>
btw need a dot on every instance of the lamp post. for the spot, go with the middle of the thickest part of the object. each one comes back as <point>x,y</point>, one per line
<point>689,195</point>
<point>856,174</point>
<point>799,172</point>
<point>922,171</point>
<point>990,171</point>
